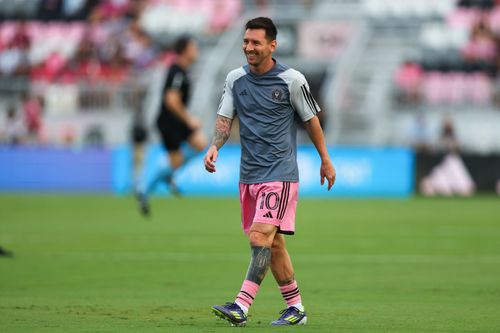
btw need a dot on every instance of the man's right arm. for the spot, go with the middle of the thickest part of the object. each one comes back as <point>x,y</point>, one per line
<point>173,102</point>
<point>222,133</point>
<point>225,115</point>
<point>172,98</point>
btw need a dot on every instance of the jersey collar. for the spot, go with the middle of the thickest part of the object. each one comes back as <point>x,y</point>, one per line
<point>258,76</point>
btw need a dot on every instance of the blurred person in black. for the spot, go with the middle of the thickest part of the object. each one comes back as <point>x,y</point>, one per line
<point>449,141</point>
<point>139,138</point>
<point>175,125</point>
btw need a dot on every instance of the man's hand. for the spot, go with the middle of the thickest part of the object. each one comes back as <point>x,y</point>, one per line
<point>211,158</point>
<point>315,132</point>
<point>327,171</point>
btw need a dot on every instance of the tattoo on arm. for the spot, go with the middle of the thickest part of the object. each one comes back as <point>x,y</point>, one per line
<point>222,131</point>
<point>261,260</point>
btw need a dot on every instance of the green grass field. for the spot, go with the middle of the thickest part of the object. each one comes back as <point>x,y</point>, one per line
<point>91,264</point>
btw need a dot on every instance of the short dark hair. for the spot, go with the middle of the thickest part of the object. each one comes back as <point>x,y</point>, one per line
<point>182,43</point>
<point>263,23</point>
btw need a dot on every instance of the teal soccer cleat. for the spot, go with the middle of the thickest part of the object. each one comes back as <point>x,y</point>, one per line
<point>143,202</point>
<point>230,312</point>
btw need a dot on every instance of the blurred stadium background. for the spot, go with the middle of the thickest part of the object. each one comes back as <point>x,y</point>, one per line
<point>410,91</point>
<point>77,76</point>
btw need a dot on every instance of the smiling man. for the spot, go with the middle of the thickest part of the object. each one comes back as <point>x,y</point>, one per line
<point>267,97</point>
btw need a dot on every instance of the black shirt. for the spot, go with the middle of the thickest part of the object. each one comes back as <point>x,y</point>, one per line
<point>177,79</point>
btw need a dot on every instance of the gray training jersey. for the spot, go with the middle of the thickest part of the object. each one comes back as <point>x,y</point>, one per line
<point>266,106</point>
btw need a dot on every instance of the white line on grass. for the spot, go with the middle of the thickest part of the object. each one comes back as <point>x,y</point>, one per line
<point>309,258</point>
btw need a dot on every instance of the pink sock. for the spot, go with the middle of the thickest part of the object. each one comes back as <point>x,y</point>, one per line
<point>247,293</point>
<point>291,293</point>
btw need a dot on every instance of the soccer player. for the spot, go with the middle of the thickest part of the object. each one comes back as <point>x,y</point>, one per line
<point>175,124</point>
<point>267,96</point>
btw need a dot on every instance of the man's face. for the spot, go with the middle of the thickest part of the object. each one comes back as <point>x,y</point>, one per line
<point>256,47</point>
<point>191,52</point>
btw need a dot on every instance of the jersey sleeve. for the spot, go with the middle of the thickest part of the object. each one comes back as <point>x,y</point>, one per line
<point>226,104</point>
<point>175,79</point>
<point>301,98</point>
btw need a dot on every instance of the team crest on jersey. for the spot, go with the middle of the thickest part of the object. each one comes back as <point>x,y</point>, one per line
<point>277,94</point>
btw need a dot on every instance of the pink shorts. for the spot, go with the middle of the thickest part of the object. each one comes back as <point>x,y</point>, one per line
<point>272,203</point>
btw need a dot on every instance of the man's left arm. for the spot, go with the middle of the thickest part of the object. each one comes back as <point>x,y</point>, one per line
<point>306,107</point>
<point>315,132</point>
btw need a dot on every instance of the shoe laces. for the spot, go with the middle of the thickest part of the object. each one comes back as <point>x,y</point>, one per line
<point>231,305</point>
<point>288,311</point>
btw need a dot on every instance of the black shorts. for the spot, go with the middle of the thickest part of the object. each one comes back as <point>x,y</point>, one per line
<point>173,132</point>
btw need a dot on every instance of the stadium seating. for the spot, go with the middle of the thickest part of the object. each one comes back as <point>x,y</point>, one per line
<point>51,40</point>
<point>104,49</point>
<point>460,57</point>
<point>408,9</point>
<point>82,55</point>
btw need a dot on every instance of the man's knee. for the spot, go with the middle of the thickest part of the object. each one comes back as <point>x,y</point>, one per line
<point>261,234</point>
<point>258,238</point>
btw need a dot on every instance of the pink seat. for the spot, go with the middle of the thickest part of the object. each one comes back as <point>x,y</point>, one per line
<point>480,89</point>
<point>183,4</point>
<point>57,29</point>
<point>76,31</point>
<point>98,34</point>
<point>457,88</point>
<point>7,31</point>
<point>202,5</point>
<point>39,31</point>
<point>480,50</point>
<point>34,29</point>
<point>205,6</point>
<point>494,20</point>
<point>161,2</point>
<point>409,78</point>
<point>434,88</point>
<point>464,18</point>
<point>223,13</point>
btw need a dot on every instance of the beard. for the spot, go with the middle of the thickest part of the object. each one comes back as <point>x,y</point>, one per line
<point>256,58</point>
<point>252,58</point>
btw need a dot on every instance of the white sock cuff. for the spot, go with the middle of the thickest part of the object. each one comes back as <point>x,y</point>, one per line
<point>298,306</point>
<point>244,308</point>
